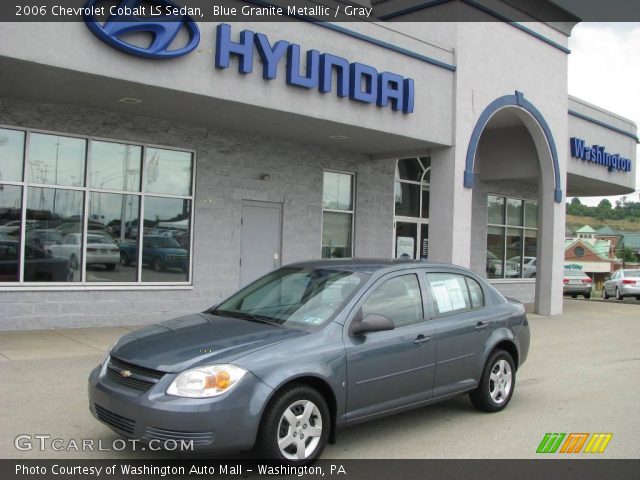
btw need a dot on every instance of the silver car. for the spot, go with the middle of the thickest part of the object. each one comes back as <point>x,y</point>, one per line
<point>311,348</point>
<point>576,282</point>
<point>623,283</point>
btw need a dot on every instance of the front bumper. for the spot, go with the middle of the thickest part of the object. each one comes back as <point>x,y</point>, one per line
<point>225,423</point>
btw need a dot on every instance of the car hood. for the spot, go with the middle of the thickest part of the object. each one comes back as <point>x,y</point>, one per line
<point>198,339</point>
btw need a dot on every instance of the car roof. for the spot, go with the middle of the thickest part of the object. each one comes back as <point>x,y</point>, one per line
<point>370,265</point>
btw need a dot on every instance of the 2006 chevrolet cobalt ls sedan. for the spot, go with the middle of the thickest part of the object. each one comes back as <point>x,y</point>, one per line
<point>310,348</point>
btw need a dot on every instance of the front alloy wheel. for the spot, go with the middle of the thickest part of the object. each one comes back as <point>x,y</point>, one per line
<point>300,430</point>
<point>295,426</point>
<point>618,294</point>
<point>497,383</point>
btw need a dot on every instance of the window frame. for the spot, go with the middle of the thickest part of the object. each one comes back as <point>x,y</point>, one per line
<point>351,212</point>
<point>506,227</point>
<point>86,190</point>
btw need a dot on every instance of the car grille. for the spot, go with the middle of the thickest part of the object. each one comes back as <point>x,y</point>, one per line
<point>138,378</point>
<point>116,421</point>
<point>198,438</point>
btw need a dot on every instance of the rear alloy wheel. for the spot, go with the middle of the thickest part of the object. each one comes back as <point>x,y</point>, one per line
<point>295,427</point>
<point>124,259</point>
<point>618,295</point>
<point>497,383</point>
<point>605,295</point>
<point>587,296</point>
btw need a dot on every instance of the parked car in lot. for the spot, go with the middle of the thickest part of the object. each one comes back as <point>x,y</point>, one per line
<point>312,347</point>
<point>101,250</point>
<point>494,267</point>
<point>576,282</point>
<point>623,283</point>
<point>528,266</point>
<point>40,265</point>
<point>158,251</point>
<point>43,237</point>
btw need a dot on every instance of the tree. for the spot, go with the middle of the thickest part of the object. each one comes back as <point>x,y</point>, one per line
<point>604,204</point>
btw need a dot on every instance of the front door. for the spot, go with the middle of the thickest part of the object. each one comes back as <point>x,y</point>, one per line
<point>260,239</point>
<point>391,369</point>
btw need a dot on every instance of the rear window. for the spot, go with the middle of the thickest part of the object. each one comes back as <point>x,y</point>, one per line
<point>632,273</point>
<point>573,273</point>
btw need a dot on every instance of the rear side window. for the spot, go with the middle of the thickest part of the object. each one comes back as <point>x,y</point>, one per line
<point>449,293</point>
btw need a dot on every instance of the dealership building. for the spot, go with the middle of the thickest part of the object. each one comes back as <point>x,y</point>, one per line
<point>141,181</point>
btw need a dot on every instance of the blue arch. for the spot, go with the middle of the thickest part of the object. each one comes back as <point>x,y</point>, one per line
<point>516,100</point>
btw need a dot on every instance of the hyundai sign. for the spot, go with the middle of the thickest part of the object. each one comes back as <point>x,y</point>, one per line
<point>599,155</point>
<point>311,70</point>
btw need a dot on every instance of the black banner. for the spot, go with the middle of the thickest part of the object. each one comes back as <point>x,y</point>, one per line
<point>543,469</point>
<point>561,12</point>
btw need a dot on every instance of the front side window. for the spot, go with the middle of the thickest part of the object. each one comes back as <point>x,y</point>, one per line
<point>337,215</point>
<point>512,237</point>
<point>398,299</point>
<point>294,297</point>
<point>87,206</point>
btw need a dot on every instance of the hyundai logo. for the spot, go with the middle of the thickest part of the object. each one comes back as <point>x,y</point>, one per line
<point>157,19</point>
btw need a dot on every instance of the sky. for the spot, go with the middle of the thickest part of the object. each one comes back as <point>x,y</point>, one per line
<point>604,69</point>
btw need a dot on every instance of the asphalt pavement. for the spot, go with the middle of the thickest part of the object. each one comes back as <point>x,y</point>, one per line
<point>581,376</point>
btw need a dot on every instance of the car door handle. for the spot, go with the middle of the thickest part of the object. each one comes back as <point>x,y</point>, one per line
<point>481,326</point>
<point>421,339</point>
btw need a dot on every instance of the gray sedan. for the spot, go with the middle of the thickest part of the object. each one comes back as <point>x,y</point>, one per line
<point>623,283</point>
<point>311,348</point>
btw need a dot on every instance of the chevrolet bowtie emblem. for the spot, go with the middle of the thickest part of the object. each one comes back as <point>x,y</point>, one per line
<point>125,373</point>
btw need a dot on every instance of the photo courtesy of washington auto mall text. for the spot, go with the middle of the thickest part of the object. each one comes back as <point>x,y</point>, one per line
<point>359,239</point>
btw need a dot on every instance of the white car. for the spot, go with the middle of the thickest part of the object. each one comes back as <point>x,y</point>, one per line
<point>101,250</point>
<point>528,266</point>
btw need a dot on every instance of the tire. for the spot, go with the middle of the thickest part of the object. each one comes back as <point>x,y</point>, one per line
<point>638,297</point>
<point>157,264</point>
<point>574,296</point>
<point>618,295</point>
<point>605,295</point>
<point>587,296</point>
<point>281,440</point>
<point>110,266</point>
<point>124,259</point>
<point>489,396</point>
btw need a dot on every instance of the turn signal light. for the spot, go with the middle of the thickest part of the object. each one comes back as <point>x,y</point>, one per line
<point>565,281</point>
<point>221,381</point>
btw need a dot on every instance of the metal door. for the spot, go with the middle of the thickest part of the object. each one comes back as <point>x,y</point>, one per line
<point>260,239</point>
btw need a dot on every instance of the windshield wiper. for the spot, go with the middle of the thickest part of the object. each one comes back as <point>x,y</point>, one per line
<point>252,317</point>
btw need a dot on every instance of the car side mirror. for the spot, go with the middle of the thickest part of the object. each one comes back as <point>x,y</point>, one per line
<point>373,322</point>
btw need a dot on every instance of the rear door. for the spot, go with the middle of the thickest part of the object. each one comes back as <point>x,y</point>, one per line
<point>391,369</point>
<point>463,324</point>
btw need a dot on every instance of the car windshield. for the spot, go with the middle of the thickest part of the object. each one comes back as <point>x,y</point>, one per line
<point>632,273</point>
<point>573,273</point>
<point>164,242</point>
<point>303,298</point>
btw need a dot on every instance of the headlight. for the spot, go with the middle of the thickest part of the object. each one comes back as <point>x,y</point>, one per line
<point>206,381</point>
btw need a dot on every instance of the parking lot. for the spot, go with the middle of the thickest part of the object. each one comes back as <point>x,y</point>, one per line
<point>581,376</point>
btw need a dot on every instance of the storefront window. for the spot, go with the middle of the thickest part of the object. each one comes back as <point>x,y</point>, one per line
<point>337,215</point>
<point>75,234</point>
<point>411,192</point>
<point>511,248</point>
